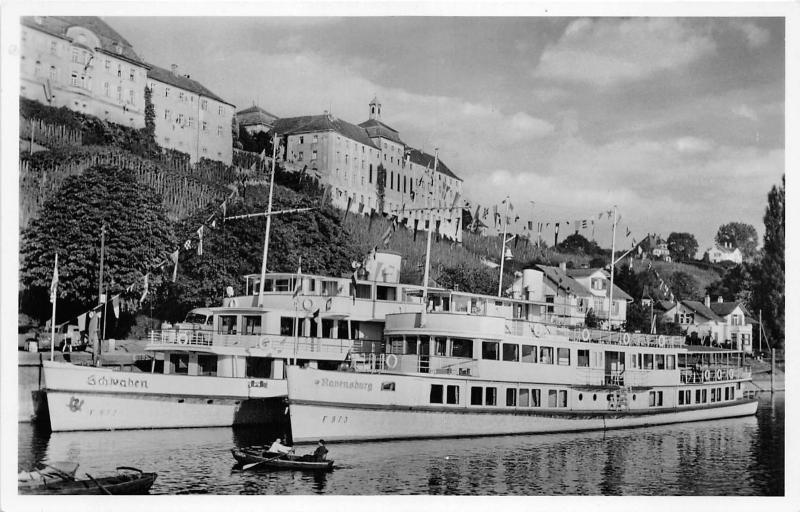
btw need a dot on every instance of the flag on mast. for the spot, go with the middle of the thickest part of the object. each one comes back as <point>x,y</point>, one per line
<point>145,288</point>
<point>298,282</point>
<point>54,282</point>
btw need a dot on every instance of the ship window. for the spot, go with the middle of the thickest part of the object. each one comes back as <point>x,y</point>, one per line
<point>719,394</point>
<point>563,356</point>
<point>252,324</point>
<point>657,398</point>
<point>536,398</point>
<point>386,293</point>
<point>671,362</point>
<point>282,285</point>
<point>439,346</point>
<point>388,386</point>
<point>583,358</point>
<point>363,291</point>
<point>688,396</point>
<point>660,361</point>
<point>552,397</point>
<point>546,355</point>
<point>491,396</point>
<point>476,396</point>
<point>510,352</point>
<point>580,396</point>
<point>287,326</point>
<point>437,392</point>
<point>648,362</point>
<point>704,396</point>
<point>562,398</point>
<point>528,353</point>
<point>727,394</point>
<point>257,367</point>
<point>511,397</point>
<point>411,345</point>
<point>633,361</point>
<point>179,363</point>
<point>524,398</point>
<point>680,397</point>
<point>227,324</point>
<point>462,347</point>
<point>395,345</point>
<point>697,396</point>
<point>206,364</point>
<point>490,350</point>
<point>713,395</point>
<point>330,288</point>
<point>452,395</point>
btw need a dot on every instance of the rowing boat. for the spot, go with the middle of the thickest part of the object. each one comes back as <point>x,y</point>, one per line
<point>278,460</point>
<point>127,481</point>
<point>44,473</point>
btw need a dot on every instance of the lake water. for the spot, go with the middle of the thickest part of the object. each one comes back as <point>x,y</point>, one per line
<point>741,456</point>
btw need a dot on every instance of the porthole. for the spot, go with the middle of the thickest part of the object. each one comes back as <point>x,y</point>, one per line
<point>608,397</point>
<point>634,398</point>
<point>594,397</point>
<point>180,400</point>
<point>209,401</point>
<point>580,396</point>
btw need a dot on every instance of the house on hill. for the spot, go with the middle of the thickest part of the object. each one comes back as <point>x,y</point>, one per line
<point>255,119</point>
<point>720,253</point>
<point>653,247</point>
<point>719,323</point>
<point>81,63</point>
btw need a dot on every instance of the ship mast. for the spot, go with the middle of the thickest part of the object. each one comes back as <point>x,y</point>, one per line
<point>611,286</point>
<point>503,248</point>
<point>269,219</point>
<point>428,245</point>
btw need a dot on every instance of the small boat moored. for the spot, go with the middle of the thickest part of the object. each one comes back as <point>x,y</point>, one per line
<point>127,481</point>
<point>266,459</point>
<point>45,473</point>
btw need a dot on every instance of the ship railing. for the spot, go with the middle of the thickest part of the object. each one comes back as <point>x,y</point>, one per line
<point>181,337</point>
<point>714,373</point>
<point>624,338</point>
<point>374,362</point>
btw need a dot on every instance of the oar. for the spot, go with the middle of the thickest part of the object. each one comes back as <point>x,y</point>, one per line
<point>62,474</point>
<point>98,484</point>
<point>248,466</point>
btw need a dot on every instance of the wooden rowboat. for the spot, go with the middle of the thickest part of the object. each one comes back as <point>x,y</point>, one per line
<point>45,473</point>
<point>273,460</point>
<point>128,481</point>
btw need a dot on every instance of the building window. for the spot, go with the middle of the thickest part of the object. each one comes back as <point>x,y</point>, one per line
<point>53,73</point>
<point>180,119</point>
<point>300,157</point>
<point>437,391</point>
<point>119,70</point>
<point>181,97</point>
<point>107,65</point>
<point>75,55</point>
<point>314,138</point>
<point>166,92</point>
<point>370,173</point>
<point>53,48</point>
<point>74,79</point>
<point>301,139</point>
<point>132,75</point>
<point>221,110</point>
<point>166,114</point>
<point>219,131</point>
<point>205,126</point>
<point>132,97</point>
<point>205,150</point>
<point>190,123</point>
<point>204,105</point>
<point>314,155</point>
<point>106,89</point>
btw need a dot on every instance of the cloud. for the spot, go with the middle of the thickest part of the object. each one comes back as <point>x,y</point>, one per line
<point>746,112</point>
<point>692,145</point>
<point>755,35</point>
<point>607,52</point>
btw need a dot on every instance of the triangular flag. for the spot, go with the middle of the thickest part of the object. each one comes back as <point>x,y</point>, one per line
<point>54,282</point>
<point>115,305</point>
<point>146,288</point>
<point>200,243</point>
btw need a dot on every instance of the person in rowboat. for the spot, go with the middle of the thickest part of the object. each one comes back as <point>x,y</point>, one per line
<point>319,454</point>
<point>279,447</point>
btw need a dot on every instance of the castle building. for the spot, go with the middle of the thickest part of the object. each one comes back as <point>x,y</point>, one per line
<point>81,63</point>
<point>255,119</point>
<point>189,117</point>
<point>347,157</point>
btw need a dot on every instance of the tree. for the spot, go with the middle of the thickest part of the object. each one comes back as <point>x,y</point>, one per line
<point>736,284</point>
<point>137,233</point>
<point>682,246</point>
<point>770,274</point>
<point>739,235</point>
<point>577,244</point>
<point>469,279</point>
<point>637,317</point>
<point>684,286</point>
<point>149,116</point>
<point>628,281</point>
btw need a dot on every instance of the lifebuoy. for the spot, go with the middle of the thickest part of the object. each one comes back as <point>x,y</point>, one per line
<point>308,304</point>
<point>585,335</point>
<point>626,338</point>
<point>707,375</point>
<point>537,330</point>
<point>391,361</point>
<point>263,342</point>
<point>719,374</point>
<point>183,338</point>
<point>661,340</point>
<point>730,373</point>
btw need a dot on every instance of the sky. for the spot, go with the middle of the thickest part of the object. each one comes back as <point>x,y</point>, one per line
<point>679,122</point>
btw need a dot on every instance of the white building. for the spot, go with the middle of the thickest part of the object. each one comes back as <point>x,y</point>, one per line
<point>189,117</point>
<point>81,63</point>
<point>719,253</point>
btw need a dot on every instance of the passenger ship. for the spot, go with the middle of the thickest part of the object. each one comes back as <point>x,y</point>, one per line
<point>474,365</point>
<point>227,365</point>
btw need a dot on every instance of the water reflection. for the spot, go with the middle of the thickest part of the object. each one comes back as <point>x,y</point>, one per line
<point>741,456</point>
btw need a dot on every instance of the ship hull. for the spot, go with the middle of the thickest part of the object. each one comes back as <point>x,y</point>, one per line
<point>87,398</point>
<point>339,406</point>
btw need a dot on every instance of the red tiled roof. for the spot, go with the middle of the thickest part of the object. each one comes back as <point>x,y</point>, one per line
<point>425,160</point>
<point>321,123</point>
<point>377,128</point>
<point>700,308</point>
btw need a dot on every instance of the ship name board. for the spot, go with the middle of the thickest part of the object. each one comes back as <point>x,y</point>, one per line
<point>343,384</point>
<point>118,382</point>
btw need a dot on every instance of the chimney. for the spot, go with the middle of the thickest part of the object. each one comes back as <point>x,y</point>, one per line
<point>708,301</point>
<point>719,299</point>
<point>174,68</point>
